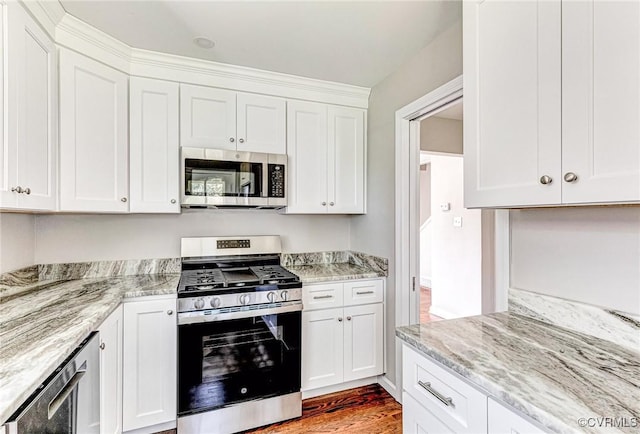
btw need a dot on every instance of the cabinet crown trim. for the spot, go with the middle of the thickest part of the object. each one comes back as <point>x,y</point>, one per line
<point>86,39</point>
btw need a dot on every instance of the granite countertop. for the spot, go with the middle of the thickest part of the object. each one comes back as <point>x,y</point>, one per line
<point>331,272</point>
<point>40,327</point>
<point>554,375</point>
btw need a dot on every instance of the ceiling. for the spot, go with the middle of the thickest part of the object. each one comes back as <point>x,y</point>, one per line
<point>354,42</point>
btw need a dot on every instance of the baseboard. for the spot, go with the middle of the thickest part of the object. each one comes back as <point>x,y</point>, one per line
<point>434,310</point>
<point>338,387</point>
<point>166,426</point>
<point>391,388</point>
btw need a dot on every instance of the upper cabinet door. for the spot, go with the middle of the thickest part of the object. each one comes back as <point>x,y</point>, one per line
<point>261,124</point>
<point>346,156</point>
<point>601,101</point>
<point>153,156</point>
<point>207,117</point>
<point>8,153</point>
<point>307,151</point>
<point>93,136</point>
<point>512,103</point>
<point>28,161</point>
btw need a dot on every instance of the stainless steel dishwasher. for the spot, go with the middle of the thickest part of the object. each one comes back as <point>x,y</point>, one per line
<point>68,401</point>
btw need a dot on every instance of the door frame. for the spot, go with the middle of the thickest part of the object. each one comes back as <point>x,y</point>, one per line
<point>407,159</point>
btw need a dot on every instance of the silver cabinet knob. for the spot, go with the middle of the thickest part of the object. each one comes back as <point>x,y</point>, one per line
<point>241,140</point>
<point>348,318</point>
<point>546,180</point>
<point>169,312</point>
<point>331,203</point>
<point>17,189</point>
<point>231,139</point>
<point>173,201</point>
<point>27,190</point>
<point>102,346</point>
<point>570,177</point>
<point>339,319</point>
<point>124,199</point>
<point>237,155</point>
<point>324,203</point>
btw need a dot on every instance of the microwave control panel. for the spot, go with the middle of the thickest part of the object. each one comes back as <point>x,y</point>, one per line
<point>276,180</point>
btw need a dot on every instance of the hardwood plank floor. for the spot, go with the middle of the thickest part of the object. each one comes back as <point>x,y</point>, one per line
<point>368,409</point>
<point>425,306</point>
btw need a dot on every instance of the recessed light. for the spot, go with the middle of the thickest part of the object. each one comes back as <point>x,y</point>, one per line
<point>203,42</point>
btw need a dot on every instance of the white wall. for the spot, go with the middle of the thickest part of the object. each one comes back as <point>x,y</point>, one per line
<point>76,238</point>
<point>425,192</point>
<point>436,64</point>
<point>456,261</point>
<point>441,135</point>
<point>591,255</point>
<point>17,241</point>
<point>426,231</point>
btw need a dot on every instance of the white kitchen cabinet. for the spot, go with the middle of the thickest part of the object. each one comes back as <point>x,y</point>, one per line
<point>552,103</point>
<point>223,119</point>
<point>149,369</point>
<point>93,136</point>
<point>111,334</point>
<point>340,342</point>
<point>154,149</point>
<point>326,149</point>
<point>501,420</point>
<point>417,420</point>
<point>29,143</point>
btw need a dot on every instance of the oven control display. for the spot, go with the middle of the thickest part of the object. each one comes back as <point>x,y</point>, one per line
<point>233,244</point>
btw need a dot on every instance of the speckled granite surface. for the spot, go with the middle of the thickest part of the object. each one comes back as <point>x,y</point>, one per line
<point>332,266</point>
<point>43,322</point>
<point>554,375</point>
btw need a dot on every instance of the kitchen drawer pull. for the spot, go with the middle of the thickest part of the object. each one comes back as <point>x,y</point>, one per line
<point>445,400</point>
<point>319,297</point>
<point>364,292</point>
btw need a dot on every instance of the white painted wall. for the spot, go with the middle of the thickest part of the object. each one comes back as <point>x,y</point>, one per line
<point>438,63</point>
<point>456,275</point>
<point>591,255</point>
<point>441,135</point>
<point>17,241</point>
<point>76,238</point>
<point>426,229</point>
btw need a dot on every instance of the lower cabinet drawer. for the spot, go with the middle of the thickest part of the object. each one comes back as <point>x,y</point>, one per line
<point>363,292</point>
<point>504,421</point>
<point>324,296</point>
<point>455,403</point>
<point>418,420</point>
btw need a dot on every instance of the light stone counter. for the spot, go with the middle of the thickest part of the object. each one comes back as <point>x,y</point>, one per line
<point>332,266</point>
<point>554,375</point>
<point>41,324</point>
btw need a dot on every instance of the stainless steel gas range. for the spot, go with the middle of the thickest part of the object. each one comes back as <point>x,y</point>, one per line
<point>239,332</point>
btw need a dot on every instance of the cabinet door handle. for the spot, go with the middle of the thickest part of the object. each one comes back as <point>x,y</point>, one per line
<point>102,346</point>
<point>17,189</point>
<point>169,312</point>
<point>320,297</point>
<point>231,139</point>
<point>124,199</point>
<point>173,201</point>
<point>546,180</point>
<point>570,177</point>
<point>445,400</point>
<point>348,318</point>
<point>27,190</point>
<point>241,140</point>
<point>323,203</point>
<point>331,203</point>
<point>339,319</point>
<point>364,292</point>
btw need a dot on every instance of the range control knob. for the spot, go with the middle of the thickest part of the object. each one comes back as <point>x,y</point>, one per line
<point>215,302</point>
<point>199,303</point>
<point>244,299</point>
<point>272,297</point>
<point>284,295</point>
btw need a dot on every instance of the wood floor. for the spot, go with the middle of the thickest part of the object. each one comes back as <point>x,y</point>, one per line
<point>367,410</point>
<point>425,305</point>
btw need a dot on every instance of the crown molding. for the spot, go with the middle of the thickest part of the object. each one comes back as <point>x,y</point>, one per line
<point>47,13</point>
<point>79,36</point>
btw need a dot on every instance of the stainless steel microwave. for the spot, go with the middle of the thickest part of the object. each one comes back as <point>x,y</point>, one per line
<point>217,178</point>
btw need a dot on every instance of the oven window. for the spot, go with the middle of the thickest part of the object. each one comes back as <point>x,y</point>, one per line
<point>227,362</point>
<point>222,178</point>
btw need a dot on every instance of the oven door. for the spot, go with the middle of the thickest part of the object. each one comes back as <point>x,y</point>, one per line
<point>212,177</point>
<point>244,357</point>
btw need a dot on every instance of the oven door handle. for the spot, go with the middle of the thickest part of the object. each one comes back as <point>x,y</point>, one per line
<point>223,315</point>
